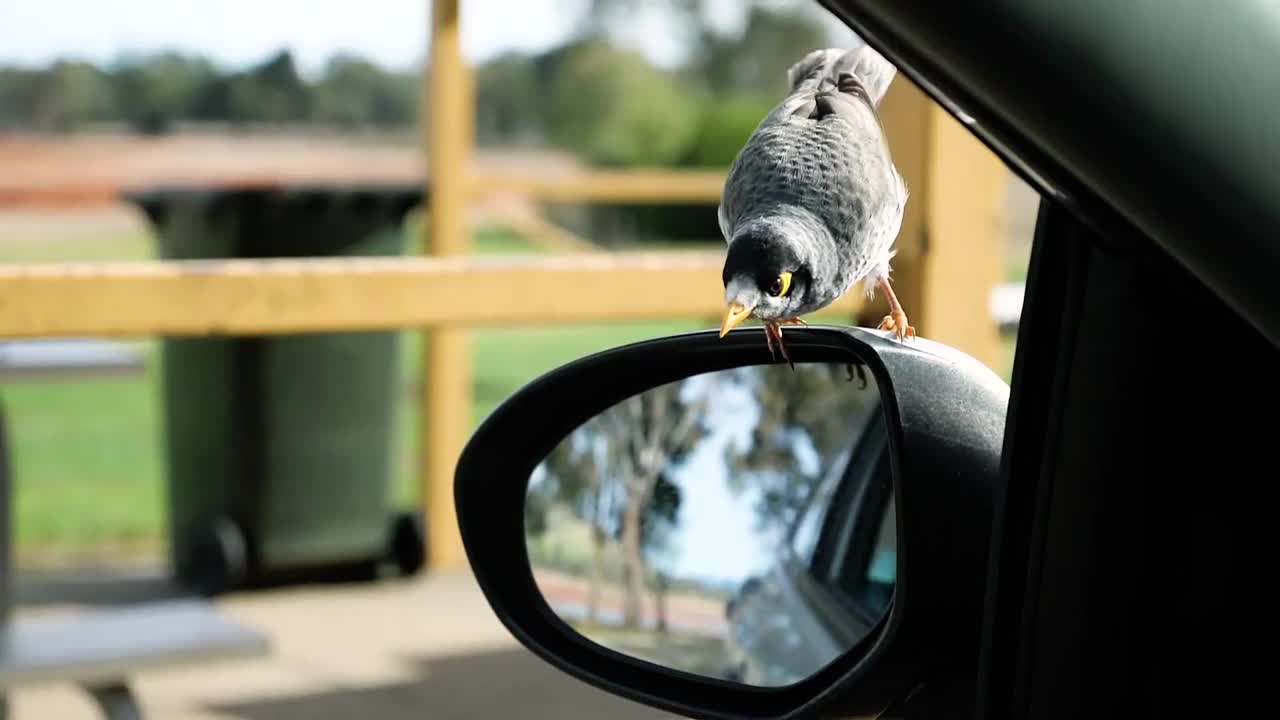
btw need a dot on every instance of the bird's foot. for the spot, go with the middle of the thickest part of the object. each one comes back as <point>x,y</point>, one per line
<point>897,322</point>
<point>794,321</point>
<point>773,335</point>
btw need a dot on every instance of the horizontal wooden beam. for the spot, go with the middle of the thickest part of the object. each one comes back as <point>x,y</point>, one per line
<point>625,186</point>
<point>220,297</point>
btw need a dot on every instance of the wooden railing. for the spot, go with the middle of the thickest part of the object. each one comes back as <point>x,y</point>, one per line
<point>222,297</point>
<point>596,186</point>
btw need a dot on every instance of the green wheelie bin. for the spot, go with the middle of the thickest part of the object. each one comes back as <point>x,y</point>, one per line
<point>279,448</point>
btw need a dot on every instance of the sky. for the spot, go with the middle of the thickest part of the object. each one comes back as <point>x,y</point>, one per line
<point>236,33</point>
<point>716,539</point>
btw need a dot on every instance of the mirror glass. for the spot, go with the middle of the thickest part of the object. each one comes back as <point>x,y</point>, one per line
<point>737,524</point>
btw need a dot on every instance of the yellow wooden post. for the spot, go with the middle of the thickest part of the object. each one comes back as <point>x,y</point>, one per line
<point>446,361</point>
<point>950,249</point>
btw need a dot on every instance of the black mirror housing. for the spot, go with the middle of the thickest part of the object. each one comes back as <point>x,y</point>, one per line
<point>946,418</point>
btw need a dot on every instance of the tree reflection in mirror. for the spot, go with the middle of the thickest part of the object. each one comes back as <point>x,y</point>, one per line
<point>737,524</point>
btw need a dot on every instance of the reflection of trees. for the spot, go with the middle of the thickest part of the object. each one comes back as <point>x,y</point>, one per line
<point>575,477</point>
<point>614,472</point>
<point>819,405</point>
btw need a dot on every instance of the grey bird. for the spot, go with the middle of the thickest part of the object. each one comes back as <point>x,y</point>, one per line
<point>813,203</point>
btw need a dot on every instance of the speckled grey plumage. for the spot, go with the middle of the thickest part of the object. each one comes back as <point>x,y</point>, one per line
<point>826,187</point>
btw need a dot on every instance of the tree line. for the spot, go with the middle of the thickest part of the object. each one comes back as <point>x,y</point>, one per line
<point>153,93</point>
<point>589,96</point>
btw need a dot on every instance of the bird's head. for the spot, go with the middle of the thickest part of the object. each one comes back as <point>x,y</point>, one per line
<point>764,277</point>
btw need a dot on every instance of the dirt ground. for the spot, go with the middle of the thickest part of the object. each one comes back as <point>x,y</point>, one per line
<point>426,648</point>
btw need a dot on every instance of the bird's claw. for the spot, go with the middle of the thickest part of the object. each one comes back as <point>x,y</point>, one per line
<point>897,322</point>
<point>772,334</point>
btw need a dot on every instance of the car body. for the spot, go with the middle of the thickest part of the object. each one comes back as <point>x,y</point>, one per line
<point>1112,565</point>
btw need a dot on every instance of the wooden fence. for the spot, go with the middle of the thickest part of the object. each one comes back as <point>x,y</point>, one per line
<point>949,260</point>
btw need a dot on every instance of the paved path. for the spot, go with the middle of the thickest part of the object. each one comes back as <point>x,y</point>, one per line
<point>428,649</point>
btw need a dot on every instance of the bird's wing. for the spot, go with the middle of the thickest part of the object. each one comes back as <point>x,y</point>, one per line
<point>726,211</point>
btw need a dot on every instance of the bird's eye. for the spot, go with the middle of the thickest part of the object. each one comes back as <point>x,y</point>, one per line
<point>781,285</point>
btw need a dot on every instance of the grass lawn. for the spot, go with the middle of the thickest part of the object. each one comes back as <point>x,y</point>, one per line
<point>87,453</point>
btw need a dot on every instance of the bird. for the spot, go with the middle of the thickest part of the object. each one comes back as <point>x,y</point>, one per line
<point>812,203</point>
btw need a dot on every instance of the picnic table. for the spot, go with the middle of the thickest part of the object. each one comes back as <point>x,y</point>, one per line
<point>99,649</point>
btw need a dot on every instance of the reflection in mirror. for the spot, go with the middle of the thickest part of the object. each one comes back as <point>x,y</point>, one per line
<point>737,524</point>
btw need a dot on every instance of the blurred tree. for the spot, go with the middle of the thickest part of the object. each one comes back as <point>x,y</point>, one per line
<point>354,92</point>
<point>648,435</point>
<point>734,74</point>
<point>271,92</point>
<point>573,477</point>
<point>510,101</point>
<point>615,472</point>
<point>537,506</point>
<point>656,525</point>
<point>725,123</point>
<point>213,102</point>
<point>609,105</point>
<point>818,405</point>
<point>69,94</point>
<point>615,109</point>
<point>604,18</point>
<point>154,92</point>
<point>757,61</point>
<point>774,35</point>
<point>17,93</point>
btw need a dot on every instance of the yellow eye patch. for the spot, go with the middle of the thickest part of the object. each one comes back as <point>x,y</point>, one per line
<point>781,285</point>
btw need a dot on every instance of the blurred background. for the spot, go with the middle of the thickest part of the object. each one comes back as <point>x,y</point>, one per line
<point>232,100</point>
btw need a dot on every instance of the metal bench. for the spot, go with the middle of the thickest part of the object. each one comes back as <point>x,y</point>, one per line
<point>99,649</point>
<point>61,358</point>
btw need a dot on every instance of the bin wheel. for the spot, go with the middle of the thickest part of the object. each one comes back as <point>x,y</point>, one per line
<point>408,543</point>
<point>221,557</point>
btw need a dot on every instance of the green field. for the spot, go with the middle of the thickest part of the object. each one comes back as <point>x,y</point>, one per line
<point>87,452</point>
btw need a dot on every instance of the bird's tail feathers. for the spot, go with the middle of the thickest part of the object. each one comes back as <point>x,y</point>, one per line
<point>813,68</point>
<point>871,68</point>
<point>825,65</point>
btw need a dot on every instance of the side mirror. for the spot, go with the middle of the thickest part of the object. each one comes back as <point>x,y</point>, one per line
<point>691,524</point>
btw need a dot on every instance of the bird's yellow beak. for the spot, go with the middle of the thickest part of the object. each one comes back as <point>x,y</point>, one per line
<point>733,316</point>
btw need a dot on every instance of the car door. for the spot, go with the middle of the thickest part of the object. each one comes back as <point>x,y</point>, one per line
<point>1130,536</point>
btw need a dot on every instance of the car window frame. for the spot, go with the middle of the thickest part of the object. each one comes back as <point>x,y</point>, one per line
<point>832,604</point>
<point>851,538</point>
